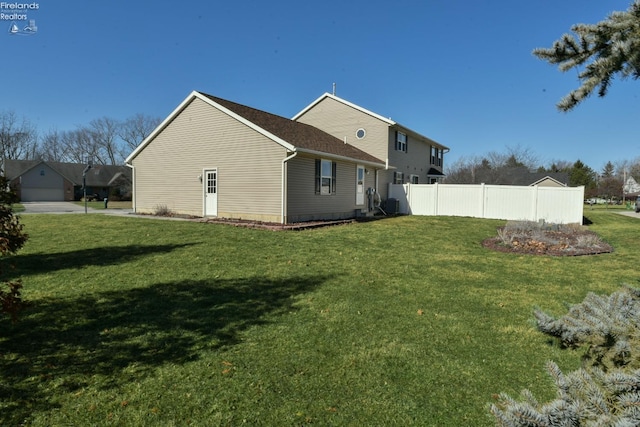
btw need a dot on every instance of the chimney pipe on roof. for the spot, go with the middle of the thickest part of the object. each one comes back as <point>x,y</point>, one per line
<point>334,89</point>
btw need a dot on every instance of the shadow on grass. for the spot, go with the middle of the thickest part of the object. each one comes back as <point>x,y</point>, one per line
<point>113,338</point>
<point>40,263</point>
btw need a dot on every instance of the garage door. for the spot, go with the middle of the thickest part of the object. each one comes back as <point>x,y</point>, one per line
<point>42,195</point>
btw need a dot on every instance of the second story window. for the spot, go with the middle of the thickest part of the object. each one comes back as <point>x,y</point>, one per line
<point>401,141</point>
<point>436,156</point>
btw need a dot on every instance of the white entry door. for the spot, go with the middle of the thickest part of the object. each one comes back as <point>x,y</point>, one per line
<point>360,185</point>
<point>210,183</point>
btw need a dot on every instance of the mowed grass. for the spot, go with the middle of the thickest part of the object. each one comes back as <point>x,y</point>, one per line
<point>403,321</point>
<point>99,204</point>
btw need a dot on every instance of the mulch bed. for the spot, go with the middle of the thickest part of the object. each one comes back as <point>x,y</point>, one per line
<point>566,246</point>
<point>275,226</point>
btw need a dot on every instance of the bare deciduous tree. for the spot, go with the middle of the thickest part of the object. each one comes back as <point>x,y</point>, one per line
<point>51,147</point>
<point>104,132</point>
<point>104,140</point>
<point>491,168</point>
<point>18,137</point>
<point>79,146</point>
<point>513,157</point>
<point>136,128</point>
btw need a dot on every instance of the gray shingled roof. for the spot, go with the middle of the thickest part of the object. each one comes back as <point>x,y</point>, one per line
<point>517,176</point>
<point>298,134</point>
<point>97,176</point>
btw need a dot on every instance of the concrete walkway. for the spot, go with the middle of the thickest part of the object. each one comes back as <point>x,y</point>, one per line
<point>66,208</point>
<point>72,208</point>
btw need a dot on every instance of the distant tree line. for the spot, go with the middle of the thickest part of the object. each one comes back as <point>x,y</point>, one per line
<point>495,167</point>
<point>104,140</point>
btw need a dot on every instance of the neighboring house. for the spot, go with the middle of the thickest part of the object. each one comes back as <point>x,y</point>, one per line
<point>631,188</point>
<point>37,180</point>
<point>410,156</point>
<point>549,181</point>
<point>520,176</point>
<point>213,157</point>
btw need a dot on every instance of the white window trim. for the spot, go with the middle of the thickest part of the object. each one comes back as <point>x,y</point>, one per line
<point>398,176</point>
<point>401,145</point>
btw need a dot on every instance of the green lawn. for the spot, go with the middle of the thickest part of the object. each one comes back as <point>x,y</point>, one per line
<point>404,321</point>
<point>110,205</point>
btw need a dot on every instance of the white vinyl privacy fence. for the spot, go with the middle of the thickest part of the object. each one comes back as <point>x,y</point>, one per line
<point>558,205</point>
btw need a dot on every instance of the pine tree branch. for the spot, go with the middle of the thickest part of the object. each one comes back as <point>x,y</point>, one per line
<point>606,49</point>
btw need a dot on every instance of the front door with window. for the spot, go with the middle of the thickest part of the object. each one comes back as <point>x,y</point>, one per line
<point>360,185</point>
<point>210,183</point>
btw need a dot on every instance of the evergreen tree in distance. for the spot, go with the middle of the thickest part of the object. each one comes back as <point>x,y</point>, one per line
<point>600,51</point>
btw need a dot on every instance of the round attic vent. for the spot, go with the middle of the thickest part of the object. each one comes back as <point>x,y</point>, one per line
<point>361,133</point>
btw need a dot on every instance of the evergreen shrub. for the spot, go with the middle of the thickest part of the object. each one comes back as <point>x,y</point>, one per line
<point>606,390</point>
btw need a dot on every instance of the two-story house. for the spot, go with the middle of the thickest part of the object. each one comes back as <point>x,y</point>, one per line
<point>410,157</point>
<point>216,158</point>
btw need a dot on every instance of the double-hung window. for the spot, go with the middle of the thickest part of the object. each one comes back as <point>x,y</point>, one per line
<point>398,177</point>
<point>326,172</point>
<point>436,155</point>
<point>401,141</point>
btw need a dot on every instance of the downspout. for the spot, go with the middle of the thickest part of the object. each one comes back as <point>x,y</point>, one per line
<point>283,208</point>
<point>133,184</point>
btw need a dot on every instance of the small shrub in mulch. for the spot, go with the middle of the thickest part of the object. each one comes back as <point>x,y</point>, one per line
<point>538,238</point>
<point>162,210</point>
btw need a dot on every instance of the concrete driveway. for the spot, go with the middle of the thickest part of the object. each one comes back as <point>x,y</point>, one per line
<point>630,213</point>
<point>66,208</point>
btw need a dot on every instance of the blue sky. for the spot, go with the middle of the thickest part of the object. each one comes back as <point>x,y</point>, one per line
<point>459,72</point>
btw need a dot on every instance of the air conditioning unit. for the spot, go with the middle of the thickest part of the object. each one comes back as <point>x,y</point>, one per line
<point>392,206</point>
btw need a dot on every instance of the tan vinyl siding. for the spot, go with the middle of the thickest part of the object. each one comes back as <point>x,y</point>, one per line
<point>249,167</point>
<point>342,121</point>
<point>303,202</point>
<point>415,161</point>
<point>549,182</point>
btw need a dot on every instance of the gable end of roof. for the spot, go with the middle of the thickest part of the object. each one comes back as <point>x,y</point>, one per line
<point>290,134</point>
<point>345,102</point>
